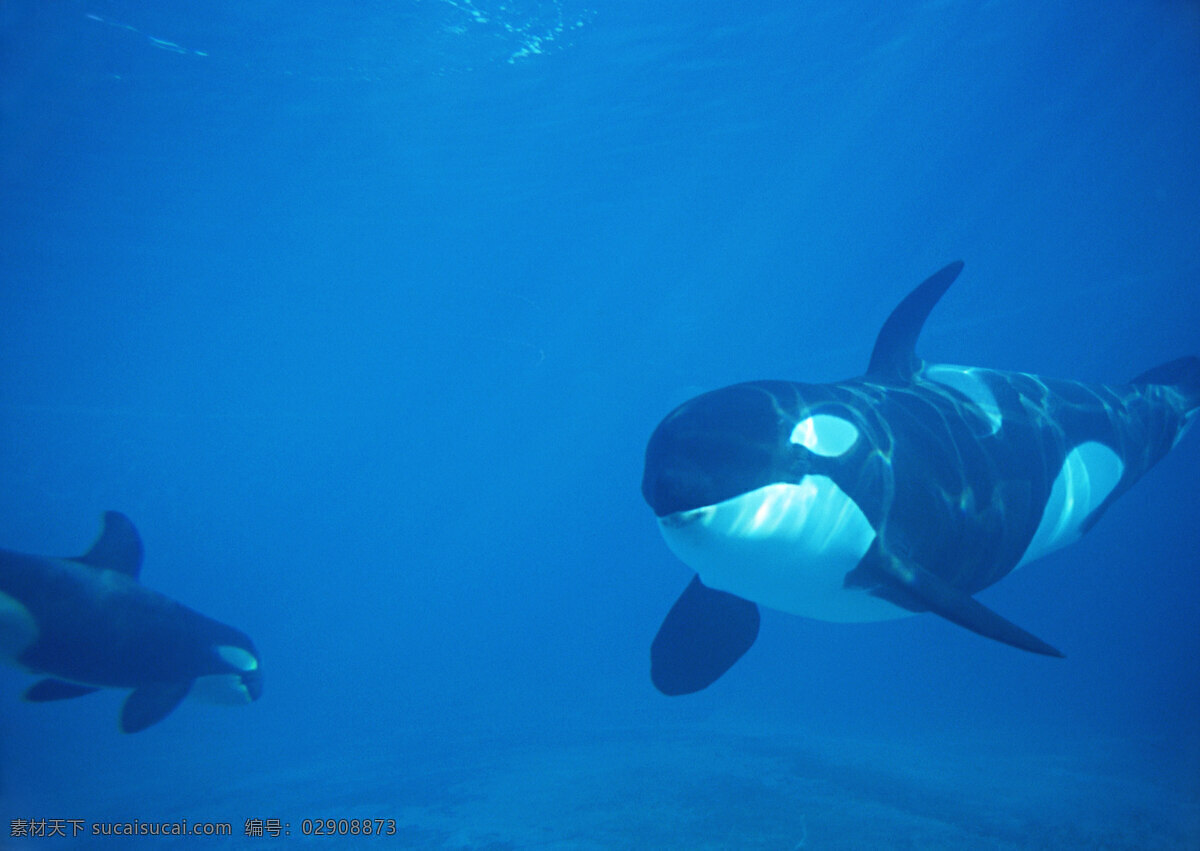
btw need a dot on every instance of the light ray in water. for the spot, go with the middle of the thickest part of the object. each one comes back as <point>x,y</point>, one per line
<point>161,43</point>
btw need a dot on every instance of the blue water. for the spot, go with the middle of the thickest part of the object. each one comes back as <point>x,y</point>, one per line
<point>364,312</point>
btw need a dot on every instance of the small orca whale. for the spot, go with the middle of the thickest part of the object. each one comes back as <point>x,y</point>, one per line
<point>905,490</point>
<point>87,623</point>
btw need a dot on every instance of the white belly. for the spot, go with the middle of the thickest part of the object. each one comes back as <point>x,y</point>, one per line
<point>787,547</point>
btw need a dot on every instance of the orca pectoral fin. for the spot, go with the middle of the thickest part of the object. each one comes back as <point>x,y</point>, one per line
<point>49,689</point>
<point>705,632</point>
<point>938,596</point>
<point>150,704</point>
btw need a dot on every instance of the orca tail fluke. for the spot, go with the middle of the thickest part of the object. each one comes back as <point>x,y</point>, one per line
<point>1182,373</point>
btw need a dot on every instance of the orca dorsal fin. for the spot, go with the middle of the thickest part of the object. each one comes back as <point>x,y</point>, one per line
<point>117,548</point>
<point>894,356</point>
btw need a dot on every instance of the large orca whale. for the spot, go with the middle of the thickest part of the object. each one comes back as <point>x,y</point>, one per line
<point>87,623</point>
<point>905,490</point>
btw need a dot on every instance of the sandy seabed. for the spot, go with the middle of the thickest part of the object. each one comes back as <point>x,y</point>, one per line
<point>699,788</point>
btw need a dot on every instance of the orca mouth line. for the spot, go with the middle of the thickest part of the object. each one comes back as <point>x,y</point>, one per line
<point>673,504</point>
<point>687,517</point>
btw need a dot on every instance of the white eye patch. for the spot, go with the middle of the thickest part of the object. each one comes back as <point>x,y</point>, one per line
<point>825,435</point>
<point>236,656</point>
